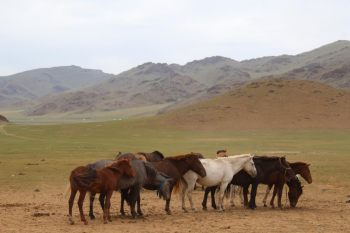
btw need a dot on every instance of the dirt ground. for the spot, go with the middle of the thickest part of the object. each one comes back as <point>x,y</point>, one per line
<point>322,208</point>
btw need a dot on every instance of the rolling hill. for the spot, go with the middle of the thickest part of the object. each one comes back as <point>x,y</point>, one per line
<point>170,85</point>
<point>267,104</point>
<point>33,84</point>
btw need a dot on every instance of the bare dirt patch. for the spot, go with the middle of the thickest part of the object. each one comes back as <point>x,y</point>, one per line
<point>322,208</point>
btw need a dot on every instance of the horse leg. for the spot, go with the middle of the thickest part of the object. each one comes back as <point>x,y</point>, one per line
<point>91,209</point>
<point>189,195</point>
<point>205,198</point>
<point>167,203</point>
<point>133,197</point>
<point>245,195</point>
<point>252,203</point>
<point>184,191</point>
<point>123,196</point>
<point>223,187</point>
<point>139,211</point>
<point>102,200</point>
<point>107,205</point>
<point>272,202</point>
<point>232,195</point>
<point>212,197</point>
<point>240,193</point>
<point>268,189</point>
<point>82,194</point>
<point>70,204</point>
<point>280,191</point>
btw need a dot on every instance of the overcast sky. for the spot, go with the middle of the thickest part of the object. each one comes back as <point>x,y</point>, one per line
<point>117,35</point>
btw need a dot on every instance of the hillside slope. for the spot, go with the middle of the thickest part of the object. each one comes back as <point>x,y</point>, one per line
<point>160,83</point>
<point>271,103</point>
<point>33,84</point>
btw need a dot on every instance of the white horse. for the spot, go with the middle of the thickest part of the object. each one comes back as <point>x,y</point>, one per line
<point>220,171</point>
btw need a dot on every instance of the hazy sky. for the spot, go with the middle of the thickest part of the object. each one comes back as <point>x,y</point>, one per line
<point>117,35</point>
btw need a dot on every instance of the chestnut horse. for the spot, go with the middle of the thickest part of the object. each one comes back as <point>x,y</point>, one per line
<point>300,168</point>
<point>175,167</point>
<point>85,179</point>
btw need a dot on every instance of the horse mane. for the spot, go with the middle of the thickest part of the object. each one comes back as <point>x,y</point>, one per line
<point>181,157</point>
<point>236,156</point>
<point>299,163</point>
<point>267,158</point>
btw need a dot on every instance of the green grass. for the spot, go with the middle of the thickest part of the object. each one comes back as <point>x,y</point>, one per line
<point>63,147</point>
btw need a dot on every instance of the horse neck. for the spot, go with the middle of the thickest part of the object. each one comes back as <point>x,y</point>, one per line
<point>182,166</point>
<point>238,163</point>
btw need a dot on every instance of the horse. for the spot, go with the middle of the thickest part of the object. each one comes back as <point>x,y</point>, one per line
<point>146,176</point>
<point>268,172</point>
<point>85,179</point>
<point>219,172</point>
<point>299,168</point>
<point>176,166</point>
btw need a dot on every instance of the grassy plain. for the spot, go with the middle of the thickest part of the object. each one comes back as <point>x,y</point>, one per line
<point>35,154</point>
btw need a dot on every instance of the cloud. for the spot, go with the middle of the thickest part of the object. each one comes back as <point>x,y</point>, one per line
<point>91,33</point>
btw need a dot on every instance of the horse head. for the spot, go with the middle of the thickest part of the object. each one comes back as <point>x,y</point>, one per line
<point>249,167</point>
<point>305,173</point>
<point>195,164</point>
<point>295,191</point>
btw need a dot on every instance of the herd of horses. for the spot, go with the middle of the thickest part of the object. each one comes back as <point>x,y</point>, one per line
<point>129,173</point>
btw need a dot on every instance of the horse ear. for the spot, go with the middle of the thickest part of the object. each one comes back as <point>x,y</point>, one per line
<point>309,164</point>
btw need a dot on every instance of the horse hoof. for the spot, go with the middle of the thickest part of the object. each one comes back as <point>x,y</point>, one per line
<point>265,205</point>
<point>122,213</point>
<point>184,210</point>
<point>105,222</point>
<point>194,209</point>
<point>85,223</point>
<point>168,212</point>
<point>140,214</point>
<point>92,217</point>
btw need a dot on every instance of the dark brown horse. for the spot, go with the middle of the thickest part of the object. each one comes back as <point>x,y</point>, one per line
<point>270,170</point>
<point>175,167</point>
<point>85,179</point>
<point>300,168</point>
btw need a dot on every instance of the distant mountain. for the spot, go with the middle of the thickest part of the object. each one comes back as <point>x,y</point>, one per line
<point>267,104</point>
<point>147,84</point>
<point>3,119</point>
<point>33,84</point>
<point>181,85</point>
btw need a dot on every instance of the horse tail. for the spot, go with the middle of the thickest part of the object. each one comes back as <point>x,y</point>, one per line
<point>177,186</point>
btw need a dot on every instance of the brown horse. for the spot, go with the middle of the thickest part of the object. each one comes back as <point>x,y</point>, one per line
<point>85,179</point>
<point>175,167</point>
<point>300,168</point>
